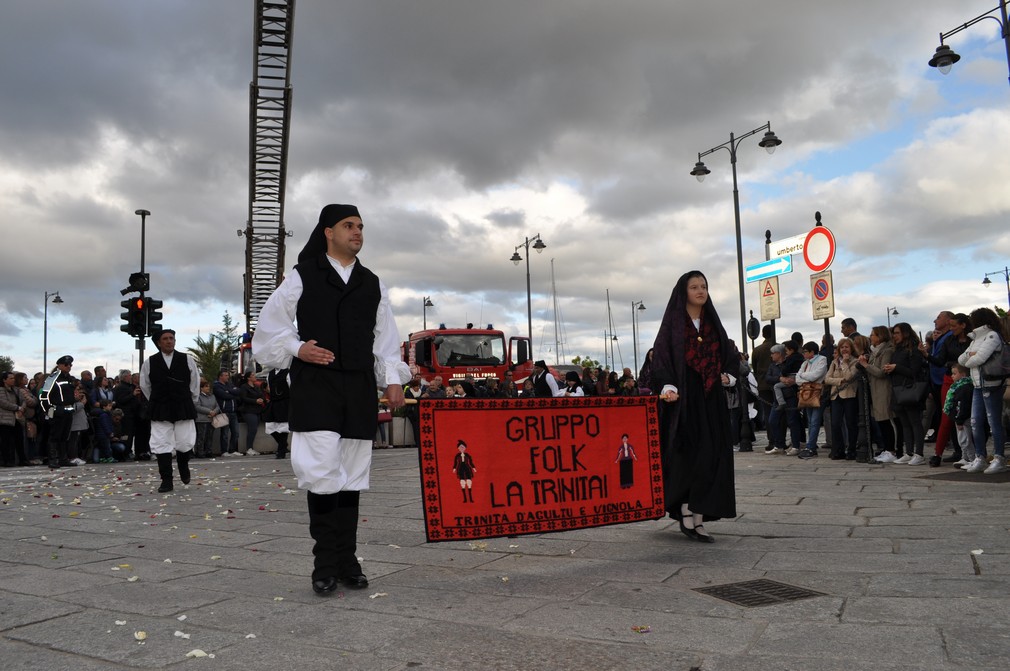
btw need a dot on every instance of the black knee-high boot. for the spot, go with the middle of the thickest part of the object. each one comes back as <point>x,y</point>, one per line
<point>333,524</point>
<point>282,443</point>
<point>183,459</point>
<point>165,471</point>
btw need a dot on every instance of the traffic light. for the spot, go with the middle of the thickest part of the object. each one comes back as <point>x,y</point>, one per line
<point>153,322</point>
<point>135,317</point>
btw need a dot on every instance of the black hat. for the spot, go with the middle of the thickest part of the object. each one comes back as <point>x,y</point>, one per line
<point>156,336</point>
<point>540,363</point>
<point>65,360</point>
<point>330,215</point>
<point>572,376</point>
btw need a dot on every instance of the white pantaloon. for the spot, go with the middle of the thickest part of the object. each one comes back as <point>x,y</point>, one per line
<point>167,436</point>
<point>326,463</point>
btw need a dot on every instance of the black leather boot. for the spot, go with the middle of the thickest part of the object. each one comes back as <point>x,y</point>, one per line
<point>165,471</point>
<point>333,524</point>
<point>183,459</point>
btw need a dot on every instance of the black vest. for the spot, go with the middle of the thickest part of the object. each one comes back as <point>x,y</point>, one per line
<point>339,317</point>
<point>540,386</point>
<point>171,399</point>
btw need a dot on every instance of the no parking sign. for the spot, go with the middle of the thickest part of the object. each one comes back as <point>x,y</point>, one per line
<point>822,295</point>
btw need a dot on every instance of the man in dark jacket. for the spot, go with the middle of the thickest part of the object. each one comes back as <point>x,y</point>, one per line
<point>227,396</point>
<point>171,382</point>
<point>59,409</point>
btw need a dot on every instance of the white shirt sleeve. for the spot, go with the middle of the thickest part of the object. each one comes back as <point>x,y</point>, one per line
<point>194,379</point>
<point>389,365</point>
<point>145,377</point>
<point>275,342</point>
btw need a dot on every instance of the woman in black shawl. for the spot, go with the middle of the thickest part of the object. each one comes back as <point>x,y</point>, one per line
<point>692,362</point>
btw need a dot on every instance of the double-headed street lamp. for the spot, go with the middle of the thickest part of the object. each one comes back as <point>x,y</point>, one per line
<point>1006,276</point>
<point>636,306</point>
<point>945,57</point>
<point>45,325</point>
<point>425,304</point>
<point>890,312</point>
<point>538,244</point>
<point>770,141</point>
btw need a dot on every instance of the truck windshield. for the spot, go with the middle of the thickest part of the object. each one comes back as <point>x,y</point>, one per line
<point>473,349</point>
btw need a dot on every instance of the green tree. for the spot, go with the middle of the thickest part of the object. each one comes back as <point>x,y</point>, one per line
<point>228,335</point>
<point>207,354</point>
<point>586,362</point>
<point>6,363</point>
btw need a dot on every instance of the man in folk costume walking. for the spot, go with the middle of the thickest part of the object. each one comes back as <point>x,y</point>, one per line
<point>170,381</point>
<point>330,322</point>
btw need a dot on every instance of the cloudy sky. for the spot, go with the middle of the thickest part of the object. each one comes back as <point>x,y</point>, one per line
<point>459,128</point>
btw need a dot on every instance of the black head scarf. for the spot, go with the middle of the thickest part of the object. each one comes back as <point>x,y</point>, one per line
<point>330,215</point>
<point>668,356</point>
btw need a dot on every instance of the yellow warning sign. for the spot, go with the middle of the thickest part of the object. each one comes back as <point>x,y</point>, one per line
<point>770,306</point>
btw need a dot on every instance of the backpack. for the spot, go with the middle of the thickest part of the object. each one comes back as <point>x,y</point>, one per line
<point>997,366</point>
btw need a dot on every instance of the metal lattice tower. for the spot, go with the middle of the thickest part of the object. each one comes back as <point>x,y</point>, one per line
<point>269,123</point>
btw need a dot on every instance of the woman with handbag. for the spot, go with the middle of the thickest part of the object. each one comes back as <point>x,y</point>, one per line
<point>909,386</point>
<point>987,402</point>
<point>810,383</point>
<point>842,378</point>
<point>206,410</point>
<point>880,354</point>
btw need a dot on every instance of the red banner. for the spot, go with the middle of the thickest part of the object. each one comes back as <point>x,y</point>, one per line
<point>503,467</point>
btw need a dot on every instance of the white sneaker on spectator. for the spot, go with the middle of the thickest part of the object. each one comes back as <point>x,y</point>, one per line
<point>917,460</point>
<point>792,452</point>
<point>736,448</point>
<point>774,450</point>
<point>903,460</point>
<point>251,453</point>
<point>961,462</point>
<point>78,462</point>
<point>978,465</point>
<point>998,465</point>
<point>885,457</point>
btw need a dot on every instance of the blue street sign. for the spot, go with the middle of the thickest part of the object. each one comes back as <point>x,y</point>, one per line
<point>766,269</point>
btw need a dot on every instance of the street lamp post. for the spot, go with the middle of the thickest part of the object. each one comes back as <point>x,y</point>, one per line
<point>890,312</point>
<point>538,244</point>
<point>45,326</point>
<point>769,142</point>
<point>425,304</point>
<point>945,57</point>
<point>1006,276</point>
<point>635,307</point>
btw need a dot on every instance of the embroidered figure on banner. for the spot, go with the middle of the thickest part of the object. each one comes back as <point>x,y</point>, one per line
<point>626,459</point>
<point>464,469</point>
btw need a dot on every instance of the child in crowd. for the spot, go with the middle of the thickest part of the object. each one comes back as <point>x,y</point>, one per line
<point>957,406</point>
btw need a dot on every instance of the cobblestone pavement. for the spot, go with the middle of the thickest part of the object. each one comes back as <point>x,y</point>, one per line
<point>98,571</point>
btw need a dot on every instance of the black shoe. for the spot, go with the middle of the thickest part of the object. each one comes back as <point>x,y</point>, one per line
<point>325,586</point>
<point>934,461</point>
<point>850,457</point>
<point>746,449</point>
<point>703,538</point>
<point>952,458</point>
<point>690,533</point>
<point>165,487</point>
<point>807,454</point>
<point>931,438</point>
<point>354,581</point>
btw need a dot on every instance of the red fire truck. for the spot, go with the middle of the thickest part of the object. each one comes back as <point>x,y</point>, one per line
<point>454,353</point>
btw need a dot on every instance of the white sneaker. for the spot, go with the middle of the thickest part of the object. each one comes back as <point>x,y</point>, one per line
<point>251,453</point>
<point>78,462</point>
<point>917,460</point>
<point>961,462</point>
<point>774,450</point>
<point>998,465</point>
<point>903,460</point>
<point>792,452</point>
<point>736,448</point>
<point>885,457</point>
<point>977,466</point>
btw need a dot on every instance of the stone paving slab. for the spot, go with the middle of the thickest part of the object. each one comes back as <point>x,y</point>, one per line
<point>889,548</point>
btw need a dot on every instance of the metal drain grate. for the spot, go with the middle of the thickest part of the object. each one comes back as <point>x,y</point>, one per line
<point>752,593</point>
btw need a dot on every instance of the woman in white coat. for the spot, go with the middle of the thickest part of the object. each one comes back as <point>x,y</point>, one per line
<point>987,401</point>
